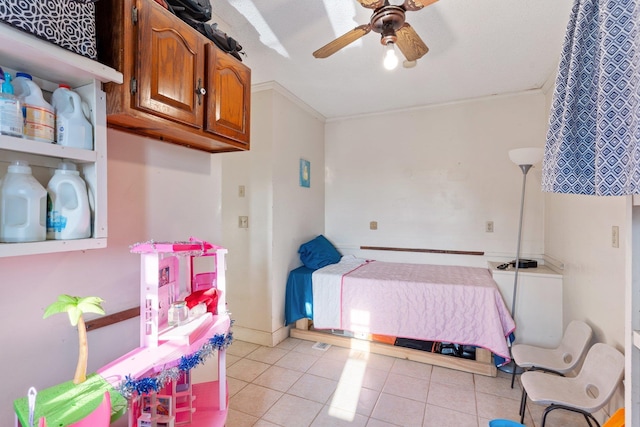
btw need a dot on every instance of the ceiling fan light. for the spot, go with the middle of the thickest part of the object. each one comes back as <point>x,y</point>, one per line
<point>390,58</point>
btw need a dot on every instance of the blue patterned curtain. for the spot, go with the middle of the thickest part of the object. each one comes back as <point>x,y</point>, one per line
<point>593,142</point>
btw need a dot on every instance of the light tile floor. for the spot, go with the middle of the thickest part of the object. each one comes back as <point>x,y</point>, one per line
<point>295,385</point>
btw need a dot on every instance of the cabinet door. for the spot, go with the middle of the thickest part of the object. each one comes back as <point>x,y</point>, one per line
<point>170,66</point>
<point>229,97</point>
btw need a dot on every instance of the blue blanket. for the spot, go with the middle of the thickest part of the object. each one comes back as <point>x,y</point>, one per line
<point>299,297</point>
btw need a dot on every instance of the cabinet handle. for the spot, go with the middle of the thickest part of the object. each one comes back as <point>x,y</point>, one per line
<point>200,91</point>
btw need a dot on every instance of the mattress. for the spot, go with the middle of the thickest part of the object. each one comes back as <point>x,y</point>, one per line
<point>419,301</point>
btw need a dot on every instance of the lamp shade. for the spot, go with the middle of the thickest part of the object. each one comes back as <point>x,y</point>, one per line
<point>526,156</point>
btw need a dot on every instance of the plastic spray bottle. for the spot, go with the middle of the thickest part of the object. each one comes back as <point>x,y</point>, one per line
<point>11,120</point>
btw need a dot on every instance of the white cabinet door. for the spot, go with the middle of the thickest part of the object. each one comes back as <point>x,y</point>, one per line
<point>538,303</point>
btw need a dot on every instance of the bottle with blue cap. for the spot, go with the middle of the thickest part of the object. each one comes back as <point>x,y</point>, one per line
<point>68,209</point>
<point>39,119</point>
<point>11,119</point>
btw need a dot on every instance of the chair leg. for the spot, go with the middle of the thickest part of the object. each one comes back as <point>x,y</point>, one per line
<point>523,405</point>
<point>513,375</point>
<point>587,416</point>
<point>522,402</point>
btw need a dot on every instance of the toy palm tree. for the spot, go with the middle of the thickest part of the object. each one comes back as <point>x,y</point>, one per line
<point>75,307</point>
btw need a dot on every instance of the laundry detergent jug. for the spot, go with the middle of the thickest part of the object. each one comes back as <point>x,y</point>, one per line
<point>72,127</point>
<point>23,206</point>
<point>68,213</point>
<point>39,121</point>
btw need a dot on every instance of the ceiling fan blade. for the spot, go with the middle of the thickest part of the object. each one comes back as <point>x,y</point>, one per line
<point>410,43</point>
<point>342,41</point>
<point>372,4</point>
<point>416,4</point>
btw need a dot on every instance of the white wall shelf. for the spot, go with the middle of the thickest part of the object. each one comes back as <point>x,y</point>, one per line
<point>51,65</point>
<point>17,147</point>
<point>26,52</point>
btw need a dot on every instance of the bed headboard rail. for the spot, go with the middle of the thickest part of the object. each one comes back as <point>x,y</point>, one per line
<point>431,251</point>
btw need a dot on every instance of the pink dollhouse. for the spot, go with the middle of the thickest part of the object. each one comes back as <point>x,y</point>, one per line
<point>183,320</point>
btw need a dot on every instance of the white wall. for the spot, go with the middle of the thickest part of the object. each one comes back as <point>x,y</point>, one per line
<point>432,177</point>
<point>578,235</point>
<point>282,215</point>
<point>156,191</point>
<point>578,239</point>
<point>578,232</point>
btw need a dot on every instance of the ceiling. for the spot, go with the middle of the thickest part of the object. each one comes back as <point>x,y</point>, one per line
<point>477,48</point>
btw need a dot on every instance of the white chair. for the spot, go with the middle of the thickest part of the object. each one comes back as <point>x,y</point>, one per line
<point>585,393</point>
<point>560,360</point>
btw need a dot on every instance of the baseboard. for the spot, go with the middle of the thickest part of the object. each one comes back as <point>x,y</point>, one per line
<point>268,339</point>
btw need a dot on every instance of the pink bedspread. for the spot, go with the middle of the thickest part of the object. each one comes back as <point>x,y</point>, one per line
<point>427,302</point>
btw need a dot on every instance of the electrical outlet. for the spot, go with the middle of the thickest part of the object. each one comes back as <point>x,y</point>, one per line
<point>615,236</point>
<point>488,227</point>
<point>243,221</point>
<point>373,225</point>
<point>241,191</point>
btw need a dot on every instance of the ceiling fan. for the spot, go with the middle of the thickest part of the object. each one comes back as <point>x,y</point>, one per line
<point>387,20</point>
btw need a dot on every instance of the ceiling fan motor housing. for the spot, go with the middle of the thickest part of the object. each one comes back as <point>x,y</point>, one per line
<point>389,21</point>
<point>386,21</point>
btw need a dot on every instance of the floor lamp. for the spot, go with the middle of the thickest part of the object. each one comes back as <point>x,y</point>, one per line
<point>525,158</point>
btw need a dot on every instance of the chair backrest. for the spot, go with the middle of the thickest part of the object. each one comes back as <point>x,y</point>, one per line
<point>100,417</point>
<point>575,342</point>
<point>601,373</point>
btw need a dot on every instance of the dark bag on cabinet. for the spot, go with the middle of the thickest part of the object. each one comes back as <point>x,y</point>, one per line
<point>219,38</point>
<point>198,10</point>
<point>223,41</point>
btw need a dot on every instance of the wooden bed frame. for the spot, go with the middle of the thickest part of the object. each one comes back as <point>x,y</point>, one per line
<point>483,364</point>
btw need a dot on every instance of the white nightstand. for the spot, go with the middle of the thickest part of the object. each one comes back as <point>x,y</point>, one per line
<point>538,303</point>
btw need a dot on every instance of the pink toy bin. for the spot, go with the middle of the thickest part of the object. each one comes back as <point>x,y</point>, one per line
<point>203,281</point>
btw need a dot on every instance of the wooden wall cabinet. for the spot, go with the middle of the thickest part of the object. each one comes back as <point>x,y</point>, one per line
<point>178,86</point>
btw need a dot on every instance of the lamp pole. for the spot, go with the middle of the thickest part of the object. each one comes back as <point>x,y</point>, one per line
<point>525,169</point>
<point>511,367</point>
<point>524,158</point>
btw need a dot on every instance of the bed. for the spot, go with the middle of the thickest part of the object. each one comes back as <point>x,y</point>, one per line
<point>438,303</point>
